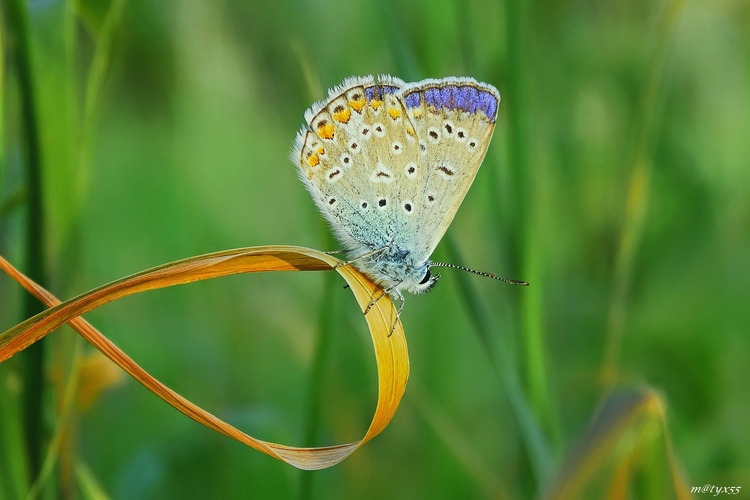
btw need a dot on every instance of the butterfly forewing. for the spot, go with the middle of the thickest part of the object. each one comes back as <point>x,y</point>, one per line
<point>454,120</point>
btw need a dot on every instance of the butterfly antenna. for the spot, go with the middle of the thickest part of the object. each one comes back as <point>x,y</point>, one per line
<point>480,273</point>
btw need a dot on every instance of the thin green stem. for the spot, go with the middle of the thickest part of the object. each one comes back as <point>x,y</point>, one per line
<point>14,477</point>
<point>637,196</point>
<point>402,50</point>
<point>465,37</point>
<point>35,237</point>
<point>310,76</point>
<point>503,363</point>
<point>484,475</point>
<point>326,319</point>
<point>65,415</point>
<point>13,201</point>
<point>495,346</point>
<point>524,254</point>
<point>321,355</point>
<point>2,102</point>
<point>94,85</point>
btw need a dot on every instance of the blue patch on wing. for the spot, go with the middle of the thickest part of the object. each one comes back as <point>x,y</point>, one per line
<point>379,91</point>
<point>457,97</point>
<point>413,100</point>
<point>488,104</point>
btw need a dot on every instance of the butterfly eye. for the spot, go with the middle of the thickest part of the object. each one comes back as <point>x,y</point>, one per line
<point>426,277</point>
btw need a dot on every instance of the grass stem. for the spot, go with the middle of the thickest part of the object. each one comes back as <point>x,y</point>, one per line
<point>34,357</point>
<point>523,250</point>
<point>637,197</point>
<point>502,361</point>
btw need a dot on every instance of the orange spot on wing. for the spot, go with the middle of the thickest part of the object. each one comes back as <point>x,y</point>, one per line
<point>375,103</point>
<point>343,115</point>
<point>325,130</point>
<point>313,160</point>
<point>321,151</point>
<point>394,112</point>
<point>358,104</point>
<point>410,131</point>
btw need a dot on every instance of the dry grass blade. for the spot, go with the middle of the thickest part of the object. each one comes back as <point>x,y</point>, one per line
<point>390,349</point>
<point>627,423</point>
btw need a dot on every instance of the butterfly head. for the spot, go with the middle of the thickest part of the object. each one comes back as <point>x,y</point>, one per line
<point>426,284</point>
<point>395,271</point>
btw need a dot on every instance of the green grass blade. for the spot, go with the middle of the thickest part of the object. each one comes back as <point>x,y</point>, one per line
<point>634,216</point>
<point>502,361</point>
<point>34,357</point>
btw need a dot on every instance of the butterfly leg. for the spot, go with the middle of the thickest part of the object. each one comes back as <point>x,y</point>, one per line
<point>399,296</point>
<point>387,291</point>
<point>368,254</point>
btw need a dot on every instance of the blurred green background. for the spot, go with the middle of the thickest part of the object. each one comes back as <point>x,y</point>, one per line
<point>617,183</point>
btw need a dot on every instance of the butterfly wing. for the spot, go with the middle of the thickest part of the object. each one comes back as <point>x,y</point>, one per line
<point>389,163</point>
<point>454,119</point>
<point>351,156</point>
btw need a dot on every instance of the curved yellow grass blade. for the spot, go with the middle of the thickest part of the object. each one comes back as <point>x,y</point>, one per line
<point>390,348</point>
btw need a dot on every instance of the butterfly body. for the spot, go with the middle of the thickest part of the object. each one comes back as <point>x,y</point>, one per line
<point>388,164</point>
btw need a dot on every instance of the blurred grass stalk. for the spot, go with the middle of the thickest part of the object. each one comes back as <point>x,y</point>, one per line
<point>524,255</point>
<point>36,245</point>
<point>637,196</point>
<point>34,358</point>
<point>625,447</point>
<point>320,358</point>
<point>13,473</point>
<point>485,476</point>
<point>326,315</point>
<point>62,448</point>
<point>498,350</point>
<point>502,361</point>
<point>15,199</point>
<point>94,83</point>
<point>65,413</point>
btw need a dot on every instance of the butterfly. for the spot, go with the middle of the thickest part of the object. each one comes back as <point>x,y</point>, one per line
<point>388,163</point>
